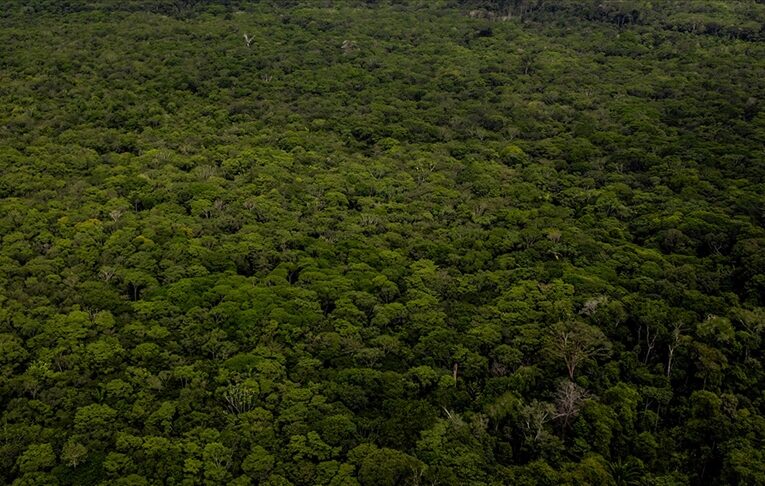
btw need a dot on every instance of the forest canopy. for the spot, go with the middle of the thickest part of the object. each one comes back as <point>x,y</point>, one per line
<point>382,242</point>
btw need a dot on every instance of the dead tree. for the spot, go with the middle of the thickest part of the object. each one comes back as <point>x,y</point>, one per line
<point>568,402</point>
<point>672,346</point>
<point>650,342</point>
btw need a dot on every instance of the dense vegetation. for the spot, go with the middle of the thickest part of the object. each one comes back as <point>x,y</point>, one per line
<point>386,242</point>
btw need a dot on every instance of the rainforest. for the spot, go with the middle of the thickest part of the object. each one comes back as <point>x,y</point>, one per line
<point>382,242</point>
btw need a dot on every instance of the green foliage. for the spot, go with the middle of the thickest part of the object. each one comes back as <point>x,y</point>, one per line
<point>388,467</point>
<point>351,242</point>
<point>36,457</point>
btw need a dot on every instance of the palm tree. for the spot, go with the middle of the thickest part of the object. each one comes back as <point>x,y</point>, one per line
<point>626,473</point>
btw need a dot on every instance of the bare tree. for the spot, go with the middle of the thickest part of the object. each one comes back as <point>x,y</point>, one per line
<point>673,345</point>
<point>650,341</point>
<point>349,46</point>
<point>568,402</point>
<point>592,305</point>
<point>115,214</point>
<point>248,40</point>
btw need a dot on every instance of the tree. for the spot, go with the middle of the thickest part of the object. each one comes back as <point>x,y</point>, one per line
<point>258,463</point>
<point>569,400</point>
<point>73,453</point>
<point>95,421</point>
<point>534,418</point>
<point>675,342</point>
<point>37,457</point>
<point>391,242</point>
<point>626,473</point>
<point>575,343</point>
<point>388,467</point>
